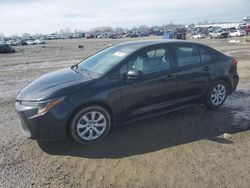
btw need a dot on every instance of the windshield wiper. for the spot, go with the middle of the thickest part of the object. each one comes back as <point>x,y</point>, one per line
<point>75,67</point>
<point>81,70</point>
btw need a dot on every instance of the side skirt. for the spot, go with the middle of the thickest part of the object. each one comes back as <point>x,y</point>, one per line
<point>156,113</point>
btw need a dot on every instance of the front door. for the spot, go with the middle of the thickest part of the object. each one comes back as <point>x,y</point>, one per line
<point>157,86</point>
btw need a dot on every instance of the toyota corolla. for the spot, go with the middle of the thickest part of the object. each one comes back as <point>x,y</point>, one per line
<point>124,83</point>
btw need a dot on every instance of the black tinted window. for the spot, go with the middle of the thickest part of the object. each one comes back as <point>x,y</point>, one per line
<point>149,61</point>
<point>156,53</point>
<point>206,55</point>
<point>123,70</point>
<point>187,55</point>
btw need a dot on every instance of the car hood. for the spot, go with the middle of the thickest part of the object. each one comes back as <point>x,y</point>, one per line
<point>48,84</point>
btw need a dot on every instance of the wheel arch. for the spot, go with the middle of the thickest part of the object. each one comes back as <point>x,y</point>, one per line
<point>226,80</point>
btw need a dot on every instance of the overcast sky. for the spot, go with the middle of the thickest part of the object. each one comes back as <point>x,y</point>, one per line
<point>46,16</point>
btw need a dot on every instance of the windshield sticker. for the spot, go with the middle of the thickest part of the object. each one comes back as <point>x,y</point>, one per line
<point>120,54</point>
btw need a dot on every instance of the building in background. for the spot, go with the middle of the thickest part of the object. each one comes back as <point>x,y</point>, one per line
<point>220,24</point>
<point>245,21</point>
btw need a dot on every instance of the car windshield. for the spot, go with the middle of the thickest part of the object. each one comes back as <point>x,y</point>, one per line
<point>103,61</point>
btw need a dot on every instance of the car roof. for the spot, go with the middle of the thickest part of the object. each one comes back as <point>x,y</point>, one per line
<point>146,43</point>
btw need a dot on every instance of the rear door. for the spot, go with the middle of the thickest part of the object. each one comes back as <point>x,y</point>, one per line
<point>193,71</point>
<point>158,85</point>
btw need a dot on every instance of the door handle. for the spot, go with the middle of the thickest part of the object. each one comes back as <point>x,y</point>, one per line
<point>169,76</point>
<point>206,69</point>
<point>165,78</point>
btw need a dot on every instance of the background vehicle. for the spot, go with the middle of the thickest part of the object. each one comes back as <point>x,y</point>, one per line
<point>5,48</point>
<point>124,83</point>
<point>134,35</point>
<point>24,43</point>
<point>246,28</point>
<point>90,36</point>
<point>220,33</point>
<point>198,36</point>
<point>101,36</point>
<point>236,33</point>
<point>39,41</point>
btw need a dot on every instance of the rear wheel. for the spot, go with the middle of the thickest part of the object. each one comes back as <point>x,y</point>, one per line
<point>217,94</point>
<point>90,124</point>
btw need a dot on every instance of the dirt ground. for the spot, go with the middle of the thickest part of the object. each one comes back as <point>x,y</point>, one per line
<point>189,148</point>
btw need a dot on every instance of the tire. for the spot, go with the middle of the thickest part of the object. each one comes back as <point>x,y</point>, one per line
<point>217,94</point>
<point>85,127</point>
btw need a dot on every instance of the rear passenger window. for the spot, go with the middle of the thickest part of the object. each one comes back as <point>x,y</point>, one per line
<point>187,55</point>
<point>206,56</point>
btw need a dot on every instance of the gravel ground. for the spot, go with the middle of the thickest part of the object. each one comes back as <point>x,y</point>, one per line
<point>189,148</point>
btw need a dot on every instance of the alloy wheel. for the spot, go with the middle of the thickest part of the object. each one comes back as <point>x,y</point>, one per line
<point>91,125</point>
<point>218,94</point>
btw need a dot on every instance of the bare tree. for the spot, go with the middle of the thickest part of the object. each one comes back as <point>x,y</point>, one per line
<point>2,35</point>
<point>106,29</point>
<point>65,31</point>
<point>26,35</point>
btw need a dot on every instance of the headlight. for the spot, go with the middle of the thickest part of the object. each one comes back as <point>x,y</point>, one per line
<point>29,104</point>
<point>42,106</point>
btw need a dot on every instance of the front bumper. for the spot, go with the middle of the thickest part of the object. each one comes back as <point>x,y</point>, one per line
<point>47,127</point>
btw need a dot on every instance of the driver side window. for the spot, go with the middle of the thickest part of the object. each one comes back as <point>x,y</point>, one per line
<point>150,61</point>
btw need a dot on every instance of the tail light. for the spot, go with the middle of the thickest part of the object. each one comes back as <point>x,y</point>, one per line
<point>234,62</point>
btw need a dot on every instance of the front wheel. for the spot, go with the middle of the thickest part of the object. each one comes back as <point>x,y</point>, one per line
<point>217,94</point>
<point>90,124</point>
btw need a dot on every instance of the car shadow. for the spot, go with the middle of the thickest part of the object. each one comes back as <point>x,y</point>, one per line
<point>173,129</point>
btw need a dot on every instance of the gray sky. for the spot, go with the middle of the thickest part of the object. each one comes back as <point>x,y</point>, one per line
<point>46,16</point>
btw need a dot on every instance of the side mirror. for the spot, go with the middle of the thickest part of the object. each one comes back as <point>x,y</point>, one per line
<point>134,75</point>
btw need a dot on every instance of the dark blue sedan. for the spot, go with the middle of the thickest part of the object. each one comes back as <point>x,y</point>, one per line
<point>124,83</point>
